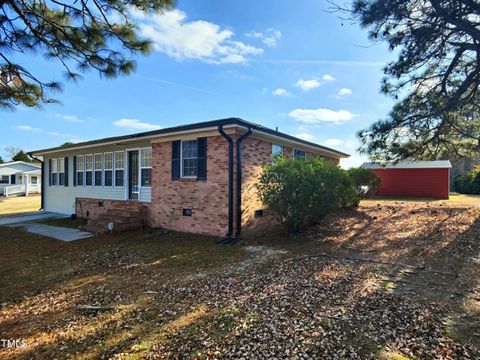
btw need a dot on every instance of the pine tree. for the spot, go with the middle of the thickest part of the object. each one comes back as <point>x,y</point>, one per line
<point>435,77</point>
<point>79,35</point>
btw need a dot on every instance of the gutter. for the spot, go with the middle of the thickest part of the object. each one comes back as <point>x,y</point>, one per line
<point>42,185</point>
<point>239,181</point>
<point>230,183</point>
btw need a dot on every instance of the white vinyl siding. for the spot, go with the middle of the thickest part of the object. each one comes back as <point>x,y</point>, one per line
<point>61,199</point>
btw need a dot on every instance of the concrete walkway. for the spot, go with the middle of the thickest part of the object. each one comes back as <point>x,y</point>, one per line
<point>33,216</point>
<point>56,232</point>
<point>27,221</point>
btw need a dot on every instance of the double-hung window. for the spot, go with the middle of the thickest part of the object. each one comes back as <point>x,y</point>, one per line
<point>5,179</point>
<point>98,169</point>
<point>33,180</point>
<point>298,154</point>
<point>61,171</point>
<point>108,169</point>
<point>88,170</point>
<point>80,170</point>
<point>119,167</point>
<point>53,171</point>
<point>277,150</point>
<point>146,167</point>
<point>189,164</point>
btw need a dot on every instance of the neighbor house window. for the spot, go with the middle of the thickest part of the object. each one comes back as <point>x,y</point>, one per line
<point>108,169</point>
<point>119,166</point>
<point>298,154</point>
<point>80,169</point>
<point>189,158</point>
<point>33,180</point>
<point>146,167</point>
<point>98,169</point>
<point>277,150</point>
<point>61,171</point>
<point>88,170</point>
<point>53,171</point>
<point>4,179</point>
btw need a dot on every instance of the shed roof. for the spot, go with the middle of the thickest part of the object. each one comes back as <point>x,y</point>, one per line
<point>436,164</point>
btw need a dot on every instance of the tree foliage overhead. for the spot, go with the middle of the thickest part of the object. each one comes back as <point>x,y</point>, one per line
<point>80,35</point>
<point>436,76</point>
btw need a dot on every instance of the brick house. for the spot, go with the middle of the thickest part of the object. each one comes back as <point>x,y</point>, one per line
<point>197,178</point>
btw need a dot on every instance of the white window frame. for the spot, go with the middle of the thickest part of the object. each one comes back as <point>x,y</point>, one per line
<point>145,167</point>
<point>85,171</point>
<point>297,157</point>
<point>181,160</point>
<point>109,169</point>
<point>82,171</point>
<point>8,180</point>
<point>94,179</point>
<point>54,163</point>
<point>31,179</point>
<point>115,168</point>
<point>62,162</point>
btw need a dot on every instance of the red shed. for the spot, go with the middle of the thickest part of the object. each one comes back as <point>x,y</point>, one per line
<point>419,179</point>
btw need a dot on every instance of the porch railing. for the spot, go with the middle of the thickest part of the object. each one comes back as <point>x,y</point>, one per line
<point>13,190</point>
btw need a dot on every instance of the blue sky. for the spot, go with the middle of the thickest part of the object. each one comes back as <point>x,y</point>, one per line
<point>284,64</point>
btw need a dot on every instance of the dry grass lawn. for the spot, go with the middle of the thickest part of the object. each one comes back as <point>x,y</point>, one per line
<point>389,280</point>
<point>19,204</point>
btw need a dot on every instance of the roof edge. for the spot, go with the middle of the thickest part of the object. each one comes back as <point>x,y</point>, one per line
<point>189,127</point>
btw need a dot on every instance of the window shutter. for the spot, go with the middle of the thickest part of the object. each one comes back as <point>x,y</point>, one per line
<point>176,160</point>
<point>65,160</point>
<point>202,158</point>
<point>49,172</point>
<point>74,171</point>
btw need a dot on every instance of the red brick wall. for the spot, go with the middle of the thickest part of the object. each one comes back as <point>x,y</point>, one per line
<point>208,199</point>
<point>124,214</point>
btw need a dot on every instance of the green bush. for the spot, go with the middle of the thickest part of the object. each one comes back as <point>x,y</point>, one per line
<point>301,192</point>
<point>468,183</point>
<point>366,182</point>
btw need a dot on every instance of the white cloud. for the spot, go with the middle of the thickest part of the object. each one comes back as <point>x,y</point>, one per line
<point>69,118</point>
<point>315,116</point>
<point>343,92</point>
<point>307,85</point>
<point>202,40</point>
<point>328,77</point>
<point>333,142</point>
<point>72,118</point>
<point>56,133</point>
<point>135,124</point>
<point>269,37</point>
<point>27,128</point>
<point>305,136</point>
<point>280,92</point>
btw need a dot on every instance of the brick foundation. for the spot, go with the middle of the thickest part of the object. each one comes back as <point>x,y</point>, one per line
<point>125,215</point>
